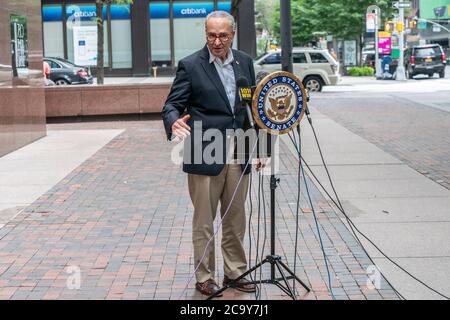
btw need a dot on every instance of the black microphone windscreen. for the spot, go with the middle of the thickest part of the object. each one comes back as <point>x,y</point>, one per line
<point>261,75</point>
<point>242,82</point>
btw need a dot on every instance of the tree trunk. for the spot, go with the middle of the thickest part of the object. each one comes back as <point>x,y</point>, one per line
<point>361,46</point>
<point>100,36</point>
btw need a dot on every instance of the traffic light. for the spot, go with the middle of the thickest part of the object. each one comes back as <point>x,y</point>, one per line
<point>389,26</point>
<point>413,24</point>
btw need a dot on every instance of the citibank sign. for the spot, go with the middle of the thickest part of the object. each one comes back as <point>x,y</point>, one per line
<point>84,14</point>
<point>192,11</point>
<point>160,10</point>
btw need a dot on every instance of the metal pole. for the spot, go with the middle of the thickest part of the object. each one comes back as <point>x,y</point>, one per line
<point>400,73</point>
<point>286,35</point>
<point>286,65</point>
<point>273,187</point>
<point>378,73</point>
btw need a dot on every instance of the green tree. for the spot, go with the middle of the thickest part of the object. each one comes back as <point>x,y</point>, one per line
<point>100,35</point>
<point>341,18</point>
<point>302,24</point>
<point>264,10</point>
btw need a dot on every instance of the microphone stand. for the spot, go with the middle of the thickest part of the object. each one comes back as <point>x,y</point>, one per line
<point>273,258</point>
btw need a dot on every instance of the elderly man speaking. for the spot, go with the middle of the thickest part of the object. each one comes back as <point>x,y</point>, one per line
<point>204,92</point>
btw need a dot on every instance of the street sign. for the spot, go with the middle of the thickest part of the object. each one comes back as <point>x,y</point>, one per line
<point>377,12</point>
<point>402,5</point>
<point>370,22</point>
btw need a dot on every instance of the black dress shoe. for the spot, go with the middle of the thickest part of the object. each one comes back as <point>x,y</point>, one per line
<point>242,284</point>
<point>208,287</point>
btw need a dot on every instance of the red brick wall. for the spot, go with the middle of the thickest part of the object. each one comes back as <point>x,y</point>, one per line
<point>84,100</point>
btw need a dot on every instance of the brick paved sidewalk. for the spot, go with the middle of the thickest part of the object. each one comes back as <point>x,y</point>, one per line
<point>122,221</point>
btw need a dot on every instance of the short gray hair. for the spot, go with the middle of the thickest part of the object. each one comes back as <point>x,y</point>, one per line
<point>221,14</point>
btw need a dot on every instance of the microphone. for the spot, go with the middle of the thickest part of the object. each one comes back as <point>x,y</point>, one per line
<point>261,75</point>
<point>245,94</point>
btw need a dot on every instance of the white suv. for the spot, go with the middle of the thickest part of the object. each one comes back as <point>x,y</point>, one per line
<point>315,67</point>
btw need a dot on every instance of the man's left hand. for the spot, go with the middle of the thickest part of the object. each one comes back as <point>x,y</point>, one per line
<point>261,164</point>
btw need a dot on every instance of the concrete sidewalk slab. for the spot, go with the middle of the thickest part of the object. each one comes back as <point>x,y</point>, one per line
<point>29,172</point>
<point>367,172</point>
<point>412,289</point>
<point>408,240</point>
<point>343,149</point>
<point>400,209</point>
<point>384,187</point>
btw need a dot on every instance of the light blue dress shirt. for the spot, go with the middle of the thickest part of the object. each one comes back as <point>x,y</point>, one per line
<point>226,74</point>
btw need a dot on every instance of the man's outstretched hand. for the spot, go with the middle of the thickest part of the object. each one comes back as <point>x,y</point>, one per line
<point>260,164</point>
<point>180,129</point>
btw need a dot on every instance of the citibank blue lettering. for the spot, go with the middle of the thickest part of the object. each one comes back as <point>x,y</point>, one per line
<point>84,12</point>
<point>118,12</point>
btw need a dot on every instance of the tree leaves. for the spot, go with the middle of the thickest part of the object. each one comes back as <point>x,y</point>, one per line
<point>342,18</point>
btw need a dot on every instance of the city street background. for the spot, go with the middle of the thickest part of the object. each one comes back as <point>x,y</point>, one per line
<point>104,198</point>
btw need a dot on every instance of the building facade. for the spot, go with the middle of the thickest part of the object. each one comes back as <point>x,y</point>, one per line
<point>435,26</point>
<point>139,37</point>
<point>22,96</point>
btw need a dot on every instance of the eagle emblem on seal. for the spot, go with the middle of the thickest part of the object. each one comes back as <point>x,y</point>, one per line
<point>280,103</point>
<point>280,107</point>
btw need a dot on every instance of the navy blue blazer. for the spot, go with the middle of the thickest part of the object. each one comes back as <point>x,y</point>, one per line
<point>198,91</point>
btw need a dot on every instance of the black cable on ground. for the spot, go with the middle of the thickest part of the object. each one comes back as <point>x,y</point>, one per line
<point>265,222</point>
<point>314,214</point>
<point>250,231</point>
<point>353,231</point>
<point>297,214</point>
<point>257,238</point>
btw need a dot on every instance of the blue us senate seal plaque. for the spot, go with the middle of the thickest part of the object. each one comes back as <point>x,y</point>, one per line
<point>279,102</point>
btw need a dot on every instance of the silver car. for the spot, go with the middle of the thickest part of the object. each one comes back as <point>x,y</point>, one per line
<point>315,67</point>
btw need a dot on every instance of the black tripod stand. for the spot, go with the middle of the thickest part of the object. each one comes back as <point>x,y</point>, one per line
<point>273,258</point>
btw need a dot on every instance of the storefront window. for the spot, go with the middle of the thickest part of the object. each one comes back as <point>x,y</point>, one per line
<point>19,45</point>
<point>121,36</point>
<point>160,33</point>
<point>82,35</point>
<point>189,27</point>
<point>53,30</point>
<point>226,6</point>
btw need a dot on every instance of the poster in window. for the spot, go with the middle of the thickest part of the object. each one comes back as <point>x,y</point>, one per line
<point>350,53</point>
<point>19,43</point>
<point>85,45</point>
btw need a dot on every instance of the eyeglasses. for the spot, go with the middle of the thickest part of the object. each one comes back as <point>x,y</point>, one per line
<point>223,37</point>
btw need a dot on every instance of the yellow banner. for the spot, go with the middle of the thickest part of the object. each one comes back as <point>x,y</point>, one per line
<point>384,34</point>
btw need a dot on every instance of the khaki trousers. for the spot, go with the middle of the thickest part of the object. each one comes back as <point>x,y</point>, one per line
<point>206,192</point>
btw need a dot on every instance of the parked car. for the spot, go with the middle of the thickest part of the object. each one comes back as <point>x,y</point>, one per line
<point>426,59</point>
<point>64,72</point>
<point>315,67</point>
<point>368,58</point>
